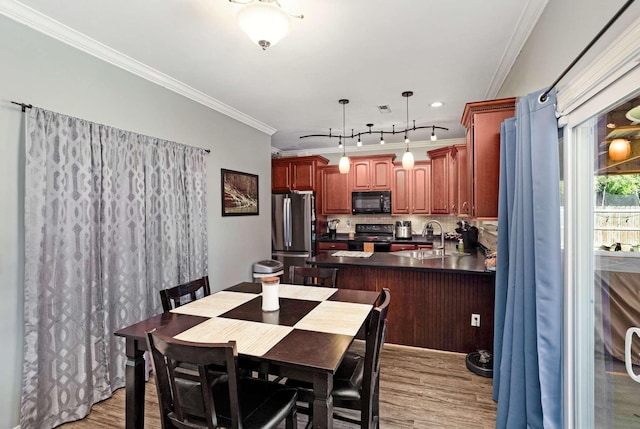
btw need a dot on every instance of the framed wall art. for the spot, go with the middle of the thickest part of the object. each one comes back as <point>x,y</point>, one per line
<point>239,193</point>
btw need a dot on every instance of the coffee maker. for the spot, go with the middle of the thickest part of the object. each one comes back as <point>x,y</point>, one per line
<point>469,235</point>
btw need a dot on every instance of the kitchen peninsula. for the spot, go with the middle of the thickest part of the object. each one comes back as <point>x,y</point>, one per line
<point>432,299</point>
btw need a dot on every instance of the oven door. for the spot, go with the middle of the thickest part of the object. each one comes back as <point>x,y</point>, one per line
<point>378,246</point>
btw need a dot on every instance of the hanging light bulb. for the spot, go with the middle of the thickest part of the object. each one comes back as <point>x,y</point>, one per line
<point>344,163</point>
<point>434,137</point>
<point>381,138</point>
<point>619,149</point>
<point>359,143</point>
<point>264,22</point>
<point>407,158</point>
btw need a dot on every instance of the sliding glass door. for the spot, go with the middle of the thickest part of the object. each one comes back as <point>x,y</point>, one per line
<point>602,223</point>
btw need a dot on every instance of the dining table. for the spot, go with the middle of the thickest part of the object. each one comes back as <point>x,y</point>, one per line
<point>305,339</point>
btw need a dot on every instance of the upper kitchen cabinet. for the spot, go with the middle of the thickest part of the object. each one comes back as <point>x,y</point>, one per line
<point>442,195</point>
<point>371,173</point>
<point>482,120</point>
<point>463,182</point>
<point>411,189</point>
<point>296,174</point>
<point>335,195</point>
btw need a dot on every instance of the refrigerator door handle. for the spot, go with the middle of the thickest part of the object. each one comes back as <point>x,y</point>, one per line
<point>287,221</point>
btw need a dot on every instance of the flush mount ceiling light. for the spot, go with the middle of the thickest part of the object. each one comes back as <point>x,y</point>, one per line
<point>264,21</point>
<point>393,131</point>
<point>619,149</point>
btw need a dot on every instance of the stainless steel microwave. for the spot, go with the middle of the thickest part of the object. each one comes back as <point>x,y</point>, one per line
<point>371,202</point>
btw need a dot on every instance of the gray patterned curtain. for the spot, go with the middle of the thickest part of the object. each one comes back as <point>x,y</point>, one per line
<point>111,218</point>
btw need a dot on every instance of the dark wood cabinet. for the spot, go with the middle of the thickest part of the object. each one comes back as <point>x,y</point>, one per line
<point>411,189</point>
<point>371,173</point>
<point>440,178</point>
<point>397,247</point>
<point>482,120</point>
<point>296,174</point>
<point>335,193</point>
<point>330,246</point>
<point>462,180</point>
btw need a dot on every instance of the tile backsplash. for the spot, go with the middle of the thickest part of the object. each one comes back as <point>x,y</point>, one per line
<point>487,231</point>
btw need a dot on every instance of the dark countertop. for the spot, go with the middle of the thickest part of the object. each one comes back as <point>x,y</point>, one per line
<point>473,263</point>
<point>415,239</point>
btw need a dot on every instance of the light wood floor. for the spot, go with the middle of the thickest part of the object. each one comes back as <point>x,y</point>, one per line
<point>419,388</point>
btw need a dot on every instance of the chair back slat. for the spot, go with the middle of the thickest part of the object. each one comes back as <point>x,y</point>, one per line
<point>312,276</point>
<point>376,332</point>
<point>185,394</point>
<point>172,297</point>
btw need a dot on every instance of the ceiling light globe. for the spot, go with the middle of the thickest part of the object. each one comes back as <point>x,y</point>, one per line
<point>359,143</point>
<point>381,140</point>
<point>406,140</point>
<point>407,160</point>
<point>434,137</point>
<point>619,149</point>
<point>343,165</point>
<point>265,23</point>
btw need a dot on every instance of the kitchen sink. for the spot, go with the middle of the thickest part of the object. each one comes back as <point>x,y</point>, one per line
<point>426,254</point>
<point>421,254</point>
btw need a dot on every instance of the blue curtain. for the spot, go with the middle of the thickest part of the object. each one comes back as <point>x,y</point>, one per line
<point>528,315</point>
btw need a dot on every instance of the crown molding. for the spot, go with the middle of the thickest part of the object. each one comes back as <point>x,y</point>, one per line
<point>32,18</point>
<point>353,150</point>
<point>618,58</point>
<point>525,25</point>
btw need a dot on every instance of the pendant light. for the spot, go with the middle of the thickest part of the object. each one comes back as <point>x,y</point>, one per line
<point>407,158</point>
<point>343,165</point>
<point>619,149</point>
<point>434,137</point>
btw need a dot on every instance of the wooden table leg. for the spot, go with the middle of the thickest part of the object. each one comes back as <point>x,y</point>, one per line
<point>134,382</point>
<point>323,402</point>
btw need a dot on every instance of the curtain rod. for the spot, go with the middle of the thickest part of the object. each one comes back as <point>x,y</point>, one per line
<point>25,106</point>
<point>615,17</point>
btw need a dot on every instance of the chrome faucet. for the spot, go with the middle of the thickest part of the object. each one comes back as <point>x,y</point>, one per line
<point>424,231</point>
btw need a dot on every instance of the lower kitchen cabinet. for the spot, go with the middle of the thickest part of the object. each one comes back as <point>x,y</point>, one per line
<point>330,246</point>
<point>431,309</point>
<point>397,247</point>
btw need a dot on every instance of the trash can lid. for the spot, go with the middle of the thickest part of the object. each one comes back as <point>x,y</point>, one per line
<point>267,266</point>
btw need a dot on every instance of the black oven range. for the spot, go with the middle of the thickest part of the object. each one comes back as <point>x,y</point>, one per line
<point>380,234</point>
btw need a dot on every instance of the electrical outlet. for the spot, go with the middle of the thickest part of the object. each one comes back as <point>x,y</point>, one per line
<point>475,320</point>
<point>349,223</point>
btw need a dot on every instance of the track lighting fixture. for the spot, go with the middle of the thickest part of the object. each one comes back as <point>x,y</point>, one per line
<point>264,21</point>
<point>408,155</point>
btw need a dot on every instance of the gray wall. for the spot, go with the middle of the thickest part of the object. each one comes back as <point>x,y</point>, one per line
<point>562,32</point>
<point>39,70</point>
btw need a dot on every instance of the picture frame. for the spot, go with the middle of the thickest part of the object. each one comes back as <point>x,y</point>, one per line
<point>240,196</point>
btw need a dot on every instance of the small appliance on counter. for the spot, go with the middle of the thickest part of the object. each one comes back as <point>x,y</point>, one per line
<point>333,226</point>
<point>403,230</point>
<point>469,235</point>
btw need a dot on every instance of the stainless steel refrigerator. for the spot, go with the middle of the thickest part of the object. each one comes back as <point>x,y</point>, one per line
<point>292,228</point>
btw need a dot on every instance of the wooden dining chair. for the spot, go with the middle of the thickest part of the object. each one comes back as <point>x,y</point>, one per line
<point>356,383</point>
<point>311,276</point>
<point>205,400</point>
<point>175,296</point>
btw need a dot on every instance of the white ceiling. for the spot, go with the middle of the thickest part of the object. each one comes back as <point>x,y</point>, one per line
<point>368,51</point>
